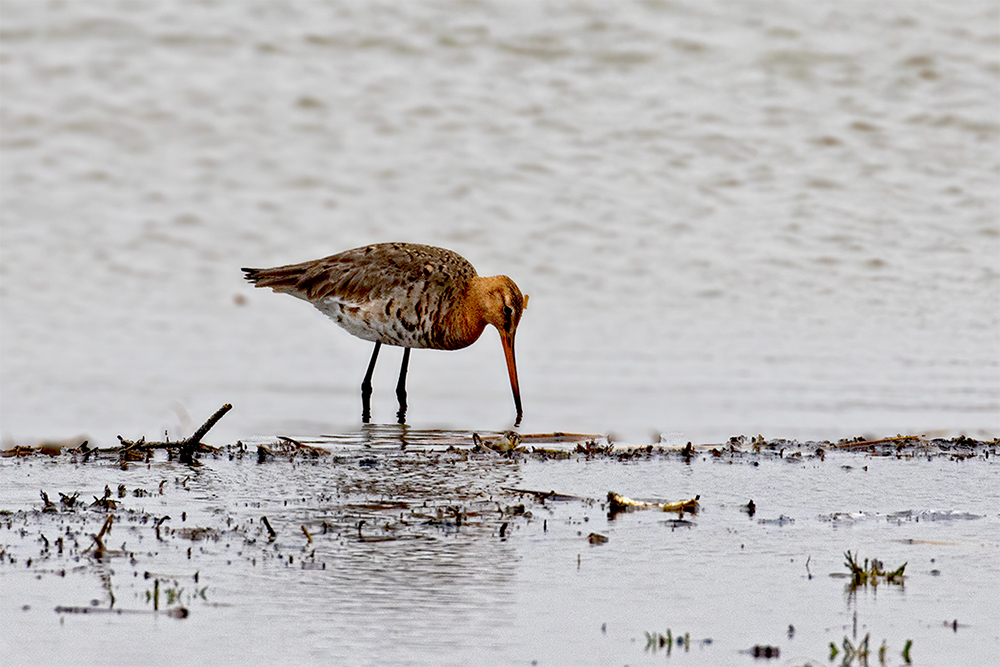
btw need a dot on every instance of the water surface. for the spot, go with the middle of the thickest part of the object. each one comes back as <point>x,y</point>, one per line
<point>777,218</point>
<point>429,555</point>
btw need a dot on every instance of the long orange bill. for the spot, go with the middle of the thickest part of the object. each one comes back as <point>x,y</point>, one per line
<point>508,350</point>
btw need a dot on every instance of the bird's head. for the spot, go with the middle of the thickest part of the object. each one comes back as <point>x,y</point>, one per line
<point>503,305</point>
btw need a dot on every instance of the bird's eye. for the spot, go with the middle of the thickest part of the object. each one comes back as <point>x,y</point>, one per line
<point>507,311</point>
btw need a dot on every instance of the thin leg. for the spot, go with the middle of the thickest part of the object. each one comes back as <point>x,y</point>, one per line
<point>366,387</point>
<point>401,387</point>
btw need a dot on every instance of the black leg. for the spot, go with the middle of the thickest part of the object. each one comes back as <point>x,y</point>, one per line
<point>366,387</point>
<point>401,387</point>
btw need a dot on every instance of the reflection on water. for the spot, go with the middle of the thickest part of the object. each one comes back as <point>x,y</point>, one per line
<point>377,553</point>
<point>370,548</point>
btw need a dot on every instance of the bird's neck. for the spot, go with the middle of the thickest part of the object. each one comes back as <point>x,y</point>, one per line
<point>468,319</point>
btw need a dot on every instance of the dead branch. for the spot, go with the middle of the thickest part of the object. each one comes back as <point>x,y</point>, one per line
<point>270,531</point>
<point>176,612</point>
<point>98,545</point>
<point>559,436</point>
<point>187,446</point>
<point>869,443</point>
<point>542,495</point>
<point>619,503</point>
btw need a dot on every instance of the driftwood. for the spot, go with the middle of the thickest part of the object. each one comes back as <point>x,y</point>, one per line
<point>186,447</point>
<point>619,503</point>
<point>176,612</point>
<point>559,436</point>
<point>542,495</point>
<point>869,443</point>
<point>288,447</point>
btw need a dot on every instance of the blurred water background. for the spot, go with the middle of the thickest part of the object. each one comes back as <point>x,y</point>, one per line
<point>771,217</point>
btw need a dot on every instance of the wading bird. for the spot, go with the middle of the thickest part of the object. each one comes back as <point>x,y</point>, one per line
<point>408,295</point>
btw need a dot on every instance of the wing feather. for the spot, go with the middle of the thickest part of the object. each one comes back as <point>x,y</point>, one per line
<point>366,274</point>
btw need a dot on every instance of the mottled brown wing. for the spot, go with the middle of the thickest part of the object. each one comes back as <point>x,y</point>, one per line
<point>365,274</point>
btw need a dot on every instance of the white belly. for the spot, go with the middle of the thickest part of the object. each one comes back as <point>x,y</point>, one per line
<point>369,322</point>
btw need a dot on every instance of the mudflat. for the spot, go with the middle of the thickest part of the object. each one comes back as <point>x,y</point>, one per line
<point>392,545</point>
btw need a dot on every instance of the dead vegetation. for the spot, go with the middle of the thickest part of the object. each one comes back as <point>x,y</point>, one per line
<point>510,444</point>
<point>132,450</point>
<point>618,503</point>
<point>871,572</point>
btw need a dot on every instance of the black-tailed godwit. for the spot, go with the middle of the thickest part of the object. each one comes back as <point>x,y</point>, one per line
<point>407,295</point>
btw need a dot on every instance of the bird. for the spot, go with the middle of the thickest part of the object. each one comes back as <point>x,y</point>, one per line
<point>407,295</point>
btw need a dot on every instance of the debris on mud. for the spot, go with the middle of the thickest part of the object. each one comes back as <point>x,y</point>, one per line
<point>48,448</point>
<point>131,450</point>
<point>362,500</point>
<point>764,651</point>
<point>656,641</point>
<point>542,496</point>
<point>287,448</point>
<point>508,442</point>
<point>618,503</point>
<point>175,612</point>
<point>858,654</point>
<point>871,572</point>
<point>98,547</point>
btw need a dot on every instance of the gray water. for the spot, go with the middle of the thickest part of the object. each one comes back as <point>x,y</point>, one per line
<point>770,217</point>
<point>732,218</point>
<point>447,569</point>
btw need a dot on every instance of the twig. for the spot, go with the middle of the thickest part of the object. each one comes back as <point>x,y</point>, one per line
<point>267,524</point>
<point>186,446</point>
<point>99,538</point>
<point>159,522</point>
<point>559,436</point>
<point>869,443</point>
<point>219,414</point>
<point>176,612</point>
<point>542,495</point>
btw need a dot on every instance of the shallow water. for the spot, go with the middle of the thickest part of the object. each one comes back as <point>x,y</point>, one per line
<point>447,569</point>
<point>768,217</point>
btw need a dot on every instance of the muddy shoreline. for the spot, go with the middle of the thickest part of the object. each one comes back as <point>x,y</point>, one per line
<point>442,539</point>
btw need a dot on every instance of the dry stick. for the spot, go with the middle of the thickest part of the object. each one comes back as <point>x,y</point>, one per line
<point>99,538</point>
<point>176,612</point>
<point>158,523</point>
<point>200,433</point>
<point>317,451</point>
<point>186,445</point>
<point>542,495</point>
<point>559,436</point>
<point>869,443</point>
<point>267,524</point>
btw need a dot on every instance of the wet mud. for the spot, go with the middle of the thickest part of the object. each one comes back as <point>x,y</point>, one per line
<point>396,546</point>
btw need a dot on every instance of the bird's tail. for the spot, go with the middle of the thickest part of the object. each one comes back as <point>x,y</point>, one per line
<point>280,278</point>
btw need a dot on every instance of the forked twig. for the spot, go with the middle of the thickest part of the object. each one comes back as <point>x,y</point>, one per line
<point>186,446</point>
